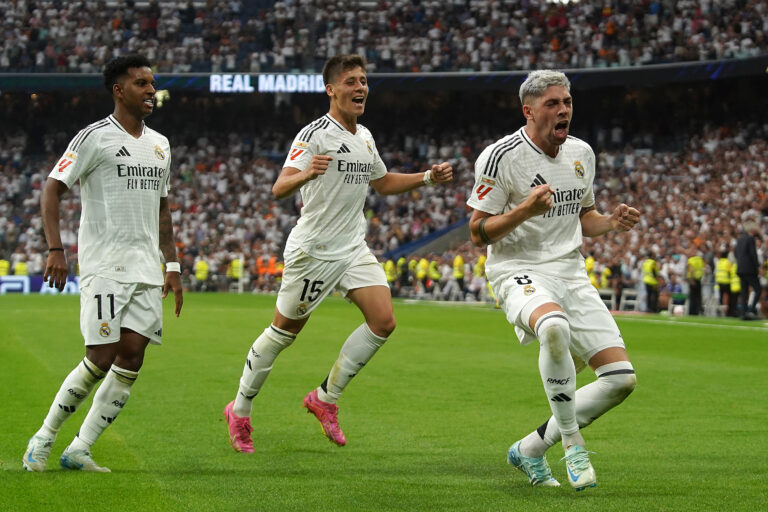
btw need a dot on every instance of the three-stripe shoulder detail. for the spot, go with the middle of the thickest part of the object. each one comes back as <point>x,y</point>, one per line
<point>85,132</point>
<point>492,165</point>
<point>307,133</point>
<point>333,121</point>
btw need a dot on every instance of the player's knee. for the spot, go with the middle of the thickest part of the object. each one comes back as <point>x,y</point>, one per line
<point>274,340</point>
<point>619,387</point>
<point>384,327</point>
<point>554,333</point>
<point>130,360</point>
<point>625,384</point>
<point>102,356</point>
<point>620,382</point>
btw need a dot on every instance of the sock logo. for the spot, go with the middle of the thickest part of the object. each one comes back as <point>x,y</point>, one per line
<point>561,382</point>
<point>67,408</point>
<point>118,403</point>
<point>562,397</point>
<point>108,420</point>
<point>75,394</point>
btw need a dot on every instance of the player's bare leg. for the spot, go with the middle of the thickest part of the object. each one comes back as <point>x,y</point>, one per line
<point>258,364</point>
<point>122,362</point>
<point>375,302</point>
<point>615,381</point>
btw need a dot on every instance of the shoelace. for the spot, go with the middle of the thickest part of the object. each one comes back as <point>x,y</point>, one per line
<point>540,468</point>
<point>243,426</point>
<point>579,461</point>
<point>331,411</point>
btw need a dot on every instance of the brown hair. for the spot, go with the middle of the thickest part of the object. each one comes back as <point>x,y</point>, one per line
<point>340,63</point>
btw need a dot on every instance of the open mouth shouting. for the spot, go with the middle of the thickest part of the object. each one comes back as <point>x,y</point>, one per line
<point>561,129</point>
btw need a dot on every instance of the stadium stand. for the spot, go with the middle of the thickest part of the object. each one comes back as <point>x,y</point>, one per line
<point>399,35</point>
<point>692,158</point>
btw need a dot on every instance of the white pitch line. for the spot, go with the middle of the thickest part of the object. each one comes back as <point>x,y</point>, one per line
<point>764,326</point>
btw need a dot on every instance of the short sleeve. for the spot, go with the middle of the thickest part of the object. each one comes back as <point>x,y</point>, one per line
<point>302,151</point>
<point>167,181</point>
<point>489,193</point>
<point>78,160</point>
<point>589,195</point>
<point>379,167</point>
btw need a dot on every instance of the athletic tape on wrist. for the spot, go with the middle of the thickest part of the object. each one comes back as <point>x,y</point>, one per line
<point>173,266</point>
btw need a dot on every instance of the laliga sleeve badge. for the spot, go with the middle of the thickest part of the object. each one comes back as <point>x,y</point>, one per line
<point>104,330</point>
<point>302,309</point>
<point>578,169</point>
<point>529,290</point>
<point>66,160</point>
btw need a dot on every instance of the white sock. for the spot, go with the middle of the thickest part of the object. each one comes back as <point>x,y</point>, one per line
<point>356,352</point>
<point>615,381</point>
<point>73,391</point>
<point>108,401</point>
<point>258,364</point>
<point>558,373</point>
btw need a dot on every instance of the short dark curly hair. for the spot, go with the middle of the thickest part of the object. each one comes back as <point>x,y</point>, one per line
<point>340,63</point>
<point>119,66</point>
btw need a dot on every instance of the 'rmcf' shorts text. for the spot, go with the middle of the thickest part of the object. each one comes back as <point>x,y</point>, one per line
<point>107,305</point>
<point>307,280</point>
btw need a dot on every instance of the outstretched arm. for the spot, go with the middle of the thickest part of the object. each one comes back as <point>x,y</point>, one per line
<point>168,248</point>
<point>397,183</point>
<point>622,219</point>
<point>56,266</point>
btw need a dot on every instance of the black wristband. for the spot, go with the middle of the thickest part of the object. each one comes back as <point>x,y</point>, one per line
<point>483,235</point>
<point>56,249</point>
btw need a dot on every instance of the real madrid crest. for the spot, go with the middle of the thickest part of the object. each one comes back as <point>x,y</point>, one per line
<point>579,169</point>
<point>159,152</point>
<point>370,149</point>
<point>529,290</point>
<point>104,330</point>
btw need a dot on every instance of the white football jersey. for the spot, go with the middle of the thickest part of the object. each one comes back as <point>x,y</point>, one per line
<point>505,173</point>
<point>121,182</point>
<point>332,222</point>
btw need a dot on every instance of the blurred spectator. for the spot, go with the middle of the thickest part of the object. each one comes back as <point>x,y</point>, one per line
<point>395,35</point>
<point>748,266</point>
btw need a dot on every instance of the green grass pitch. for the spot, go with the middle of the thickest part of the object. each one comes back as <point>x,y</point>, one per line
<point>428,422</point>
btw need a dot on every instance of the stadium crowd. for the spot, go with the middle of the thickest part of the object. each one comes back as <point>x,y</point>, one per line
<point>226,216</point>
<point>398,35</point>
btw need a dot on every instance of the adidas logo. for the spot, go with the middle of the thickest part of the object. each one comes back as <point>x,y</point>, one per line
<point>343,149</point>
<point>538,180</point>
<point>562,397</point>
<point>158,332</point>
<point>123,152</point>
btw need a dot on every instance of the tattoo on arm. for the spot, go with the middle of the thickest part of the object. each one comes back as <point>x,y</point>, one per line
<point>483,235</point>
<point>167,246</point>
<point>586,209</point>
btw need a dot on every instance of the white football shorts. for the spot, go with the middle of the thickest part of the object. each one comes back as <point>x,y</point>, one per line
<point>107,305</point>
<point>592,326</point>
<point>307,280</point>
